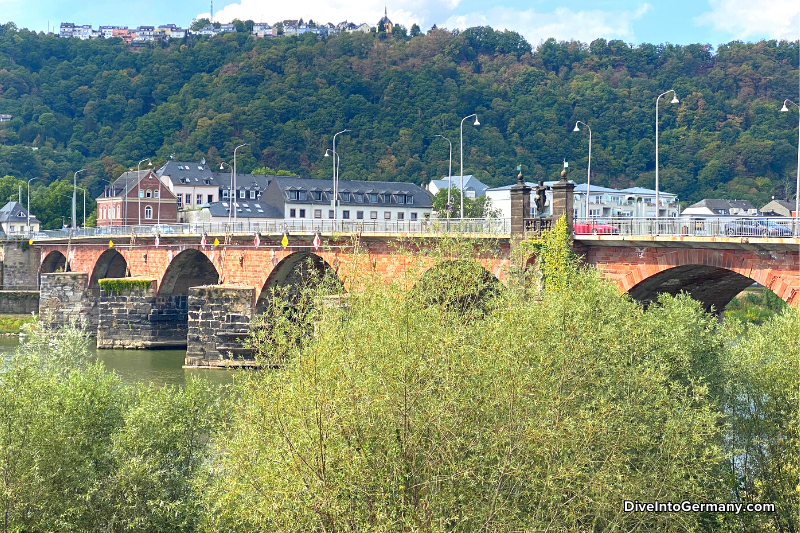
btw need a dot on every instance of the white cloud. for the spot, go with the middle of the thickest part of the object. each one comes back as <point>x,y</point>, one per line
<point>561,24</point>
<point>776,19</point>
<point>423,12</point>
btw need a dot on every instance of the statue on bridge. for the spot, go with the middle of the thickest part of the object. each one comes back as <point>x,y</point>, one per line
<point>540,198</point>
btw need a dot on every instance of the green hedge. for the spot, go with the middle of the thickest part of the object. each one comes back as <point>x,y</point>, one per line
<point>118,285</point>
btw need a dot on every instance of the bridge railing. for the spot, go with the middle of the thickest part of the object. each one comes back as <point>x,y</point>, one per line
<point>426,226</point>
<point>751,226</point>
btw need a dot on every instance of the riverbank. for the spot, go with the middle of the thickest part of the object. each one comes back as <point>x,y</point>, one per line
<point>10,325</point>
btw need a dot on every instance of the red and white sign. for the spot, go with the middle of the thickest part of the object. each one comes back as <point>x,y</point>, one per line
<point>203,241</point>
<point>257,241</point>
<point>316,241</point>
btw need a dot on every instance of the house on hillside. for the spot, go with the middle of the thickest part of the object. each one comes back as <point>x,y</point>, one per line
<point>15,222</point>
<point>262,29</point>
<point>193,184</point>
<point>136,197</point>
<point>473,187</point>
<point>387,24</point>
<point>719,207</point>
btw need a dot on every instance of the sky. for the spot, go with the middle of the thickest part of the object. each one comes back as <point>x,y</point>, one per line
<point>634,21</point>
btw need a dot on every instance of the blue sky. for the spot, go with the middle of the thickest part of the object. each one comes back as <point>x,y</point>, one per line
<point>654,21</point>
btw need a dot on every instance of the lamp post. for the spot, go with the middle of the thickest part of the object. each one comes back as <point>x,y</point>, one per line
<point>449,174</point>
<point>222,165</point>
<point>74,191</point>
<point>29,206</point>
<point>785,109</point>
<point>674,101</point>
<point>336,179</point>
<point>328,153</point>
<point>84,207</point>
<point>234,179</point>
<point>589,169</point>
<point>476,123</point>
<point>139,185</point>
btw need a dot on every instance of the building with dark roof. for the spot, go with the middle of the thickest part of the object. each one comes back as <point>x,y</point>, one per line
<point>713,206</point>
<point>136,197</point>
<point>14,220</point>
<point>387,24</point>
<point>193,184</point>
<point>306,198</point>
<point>777,208</point>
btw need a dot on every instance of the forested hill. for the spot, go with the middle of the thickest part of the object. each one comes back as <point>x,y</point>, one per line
<point>102,105</point>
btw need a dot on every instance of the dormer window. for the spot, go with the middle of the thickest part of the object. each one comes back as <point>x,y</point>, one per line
<point>401,199</point>
<point>294,195</point>
<point>316,195</point>
<point>373,198</point>
<point>359,197</point>
<point>409,199</point>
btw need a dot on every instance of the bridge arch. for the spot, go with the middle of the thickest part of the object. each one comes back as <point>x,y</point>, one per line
<point>190,268</point>
<point>55,261</point>
<point>293,271</point>
<point>110,264</point>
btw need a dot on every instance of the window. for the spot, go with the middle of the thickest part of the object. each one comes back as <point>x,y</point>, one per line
<point>401,199</point>
<point>118,212</point>
<point>413,216</point>
<point>346,214</point>
<point>373,215</point>
<point>360,215</point>
<point>595,212</point>
<point>345,196</point>
<point>141,193</point>
<point>359,197</point>
<point>148,212</point>
<point>409,199</point>
<point>387,198</point>
<point>253,195</point>
<point>302,196</point>
<point>294,195</point>
<point>156,194</point>
<point>373,198</point>
<point>199,199</point>
<point>302,213</point>
<point>597,199</point>
<point>210,198</point>
<point>330,213</point>
<point>148,194</point>
<point>188,199</point>
<point>292,213</point>
<point>387,215</point>
<point>179,198</point>
<point>401,216</point>
<point>225,193</point>
<point>241,194</point>
<point>316,195</point>
<point>317,213</point>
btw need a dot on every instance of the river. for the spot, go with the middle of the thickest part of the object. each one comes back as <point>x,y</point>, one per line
<point>160,367</point>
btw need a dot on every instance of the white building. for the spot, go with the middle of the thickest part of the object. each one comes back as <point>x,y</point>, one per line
<point>262,29</point>
<point>14,221</point>
<point>368,201</point>
<point>636,202</point>
<point>193,184</point>
<point>473,187</point>
<point>715,207</point>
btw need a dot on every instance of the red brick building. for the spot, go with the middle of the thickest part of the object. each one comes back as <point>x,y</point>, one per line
<point>136,198</point>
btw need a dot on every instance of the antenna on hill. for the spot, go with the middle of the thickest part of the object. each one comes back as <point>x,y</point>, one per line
<point>212,11</point>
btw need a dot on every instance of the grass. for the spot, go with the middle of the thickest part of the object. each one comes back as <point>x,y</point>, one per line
<point>13,323</point>
<point>755,305</point>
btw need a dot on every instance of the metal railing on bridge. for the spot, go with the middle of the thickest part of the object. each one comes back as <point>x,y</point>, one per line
<point>491,226</point>
<point>766,227</point>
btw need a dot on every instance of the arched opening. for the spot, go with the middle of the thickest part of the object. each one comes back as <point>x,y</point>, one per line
<point>190,268</point>
<point>294,273</point>
<point>54,262</point>
<point>460,285</point>
<point>110,264</point>
<point>712,286</point>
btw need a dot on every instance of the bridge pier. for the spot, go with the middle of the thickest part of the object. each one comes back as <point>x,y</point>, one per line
<point>135,317</point>
<point>219,318</point>
<point>64,298</point>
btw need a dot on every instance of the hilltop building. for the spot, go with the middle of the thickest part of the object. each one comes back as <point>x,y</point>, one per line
<point>387,24</point>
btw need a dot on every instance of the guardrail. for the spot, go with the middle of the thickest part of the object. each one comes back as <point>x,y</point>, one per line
<point>427,226</point>
<point>768,227</point>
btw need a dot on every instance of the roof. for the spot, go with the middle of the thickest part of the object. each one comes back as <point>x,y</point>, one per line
<point>245,209</point>
<point>422,198</point>
<point>507,187</point>
<point>782,203</point>
<point>642,190</point>
<point>126,182</point>
<point>189,173</point>
<point>243,181</point>
<point>14,212</point>
<point>717,205</point>
<point>470,183</point>
<point>581,188</point>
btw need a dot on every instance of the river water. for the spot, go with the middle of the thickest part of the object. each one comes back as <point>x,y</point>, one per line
<point>160,367</point>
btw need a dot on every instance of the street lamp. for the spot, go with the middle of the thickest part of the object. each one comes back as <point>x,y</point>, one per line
<point>234,179</point>
<point>336,178</point>
<point>476,123</point>
<point>84,207</point>
<point>222,165</point>
<point>139,185</point>
<point>674,101</point>
<point>328,153</point>
<point>589,170</point>
<point>74,191</point>
<point>450,173</point>
<point>785,109</point>
<point>29,206</point>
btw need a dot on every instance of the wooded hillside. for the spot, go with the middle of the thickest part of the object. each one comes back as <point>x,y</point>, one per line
<point>102,105</point>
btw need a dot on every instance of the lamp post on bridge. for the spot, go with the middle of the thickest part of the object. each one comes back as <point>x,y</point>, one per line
<point>449,208</point>
<point>785,109</point>
<point>673,101</point>
<point>589,169</point>
<point>139,185</point>
<point>29,206</point>
<point>222,165</point>
<point>234,180</point>
<point>476,124</point>
<point>74,191</point>
<point>336,179</point>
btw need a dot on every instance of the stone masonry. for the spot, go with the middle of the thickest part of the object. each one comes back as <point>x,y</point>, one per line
<point>219,318</point>
<point>64,299</point>
<point>20,265</point>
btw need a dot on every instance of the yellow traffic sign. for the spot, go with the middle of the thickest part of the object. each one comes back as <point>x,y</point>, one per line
<point>285,241</point>
<point>110,244</point>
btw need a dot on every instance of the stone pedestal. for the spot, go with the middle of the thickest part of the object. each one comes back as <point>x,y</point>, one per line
<point>563,192</point>
<point>136,317</point>
<point>219,319</point>
<point>520,207</point>
<point>64,298</point>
